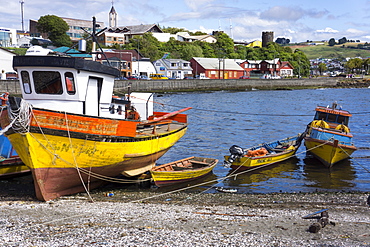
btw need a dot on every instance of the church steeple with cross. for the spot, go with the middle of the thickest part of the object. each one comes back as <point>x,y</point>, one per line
<point>112,17</point>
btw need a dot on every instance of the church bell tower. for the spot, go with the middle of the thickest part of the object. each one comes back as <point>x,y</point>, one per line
<point>112,17</point>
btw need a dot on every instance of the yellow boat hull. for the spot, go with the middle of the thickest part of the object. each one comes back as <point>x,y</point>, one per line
<point>60,165</point>
<point>163,177</point>
<point>12,167</point>
<point>245,163</point>
<point>328,153</point>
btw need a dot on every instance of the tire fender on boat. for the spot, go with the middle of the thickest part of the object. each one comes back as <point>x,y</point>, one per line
<point>342,128</point>
<point>320,124</point>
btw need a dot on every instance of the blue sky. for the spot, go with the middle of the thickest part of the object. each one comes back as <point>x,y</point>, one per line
<point>298,20</point>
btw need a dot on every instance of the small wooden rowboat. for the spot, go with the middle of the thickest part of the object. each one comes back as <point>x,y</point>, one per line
<point>181,171</point>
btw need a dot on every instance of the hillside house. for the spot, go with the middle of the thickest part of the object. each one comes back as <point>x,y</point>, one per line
<point>184,37</point>
<point>274,67</point>
<point>120,59</point>
<point>216,68</point>
<point>173,68</point>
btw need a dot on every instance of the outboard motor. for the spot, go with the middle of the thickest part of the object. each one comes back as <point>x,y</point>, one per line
<point>236,152</point>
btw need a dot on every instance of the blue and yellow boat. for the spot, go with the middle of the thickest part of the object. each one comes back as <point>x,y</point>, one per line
<point>262,155</point>
<point>328,136</point>
<point>10,163</point>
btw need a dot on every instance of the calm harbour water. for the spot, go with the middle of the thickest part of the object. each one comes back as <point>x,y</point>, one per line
<point>221,119</point>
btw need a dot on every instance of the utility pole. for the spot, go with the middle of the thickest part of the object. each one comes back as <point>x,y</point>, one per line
<point>22,14</point>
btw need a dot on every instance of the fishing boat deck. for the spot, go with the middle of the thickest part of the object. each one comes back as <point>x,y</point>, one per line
<point>159,128</point>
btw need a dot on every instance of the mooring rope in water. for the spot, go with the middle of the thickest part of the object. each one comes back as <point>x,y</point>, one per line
<point>363,167</point>
<point>228,176</point>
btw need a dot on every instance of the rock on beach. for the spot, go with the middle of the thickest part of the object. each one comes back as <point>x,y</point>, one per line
<point>184,219</point>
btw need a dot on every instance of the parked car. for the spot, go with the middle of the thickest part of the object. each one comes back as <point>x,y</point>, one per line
<point>132,78</point>
<point>188,77</point>
<point>244,77</point>
<point>201,77</point>
<point>120,78</point>
<point>158,77</point>
<point>144,77</point>
<point>267,76</point>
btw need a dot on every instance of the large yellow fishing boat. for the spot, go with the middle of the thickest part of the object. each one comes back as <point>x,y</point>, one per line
<point>73,135</point>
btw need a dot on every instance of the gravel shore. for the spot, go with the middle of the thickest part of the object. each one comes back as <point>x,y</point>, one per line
<point>147,218</point>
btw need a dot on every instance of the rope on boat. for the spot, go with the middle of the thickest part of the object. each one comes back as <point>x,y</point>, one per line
<point>2,131</point>
<point>355,161</point>
<point>258,114</point>
<point>21,117</point>
<point>233,174</point>
<point>75,162</point>
<point>87,172</point>
<point>23,113</point>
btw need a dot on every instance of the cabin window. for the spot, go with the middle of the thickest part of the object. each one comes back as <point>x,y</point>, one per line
<point>320,116</point>
<point>343,120</point>
<point>47,82</point>
<point>332,118</point>
<point>26,82</point>
<point>70,83</point>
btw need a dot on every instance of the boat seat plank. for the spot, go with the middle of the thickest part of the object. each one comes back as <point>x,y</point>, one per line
<point>199,162</point>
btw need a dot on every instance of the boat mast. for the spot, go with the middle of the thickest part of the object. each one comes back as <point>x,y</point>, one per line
<point>93,49</point>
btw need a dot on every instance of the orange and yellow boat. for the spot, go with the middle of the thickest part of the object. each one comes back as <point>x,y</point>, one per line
<point>73,135</point>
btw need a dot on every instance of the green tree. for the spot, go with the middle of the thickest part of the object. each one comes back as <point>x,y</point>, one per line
<point>207,49</point>
<point>189,51</point>
<point>224,45</point>
<point>300,63</point>
<point>354,64</point>
<point>322,68</point>
<point>366,65</point>
<point>148,46</point>
<point>198,33</point>
<point>174,47</point>
<point>56,29</point>
<point>332,42</point>
<point>173,30</point>
<point>342,40</point>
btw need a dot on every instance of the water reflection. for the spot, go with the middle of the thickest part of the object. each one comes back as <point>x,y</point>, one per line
<point>264,179</point>
<point>198,185</point>
<point>340,176</point>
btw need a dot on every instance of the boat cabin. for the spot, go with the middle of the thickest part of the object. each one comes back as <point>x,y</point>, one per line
<point>76,85</point>
<point>332,115</point>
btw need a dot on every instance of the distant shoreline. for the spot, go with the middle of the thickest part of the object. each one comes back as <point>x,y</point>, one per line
<point>162,86</point>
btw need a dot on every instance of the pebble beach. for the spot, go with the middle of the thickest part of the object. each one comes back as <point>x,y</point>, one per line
<point>182,219</point>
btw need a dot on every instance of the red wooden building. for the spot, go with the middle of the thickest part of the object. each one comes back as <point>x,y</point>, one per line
<point>216,68</point>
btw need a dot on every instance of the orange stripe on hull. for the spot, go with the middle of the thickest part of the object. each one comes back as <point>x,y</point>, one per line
<point>83,124</point>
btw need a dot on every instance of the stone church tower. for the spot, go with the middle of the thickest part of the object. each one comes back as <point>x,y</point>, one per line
<point>112,17</point>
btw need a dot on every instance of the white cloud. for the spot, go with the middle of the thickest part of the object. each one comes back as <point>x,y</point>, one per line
<point>327,30</point>
<point>194,5</point>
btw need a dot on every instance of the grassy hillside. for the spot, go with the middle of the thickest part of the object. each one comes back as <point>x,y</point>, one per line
<point>325,51</point>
